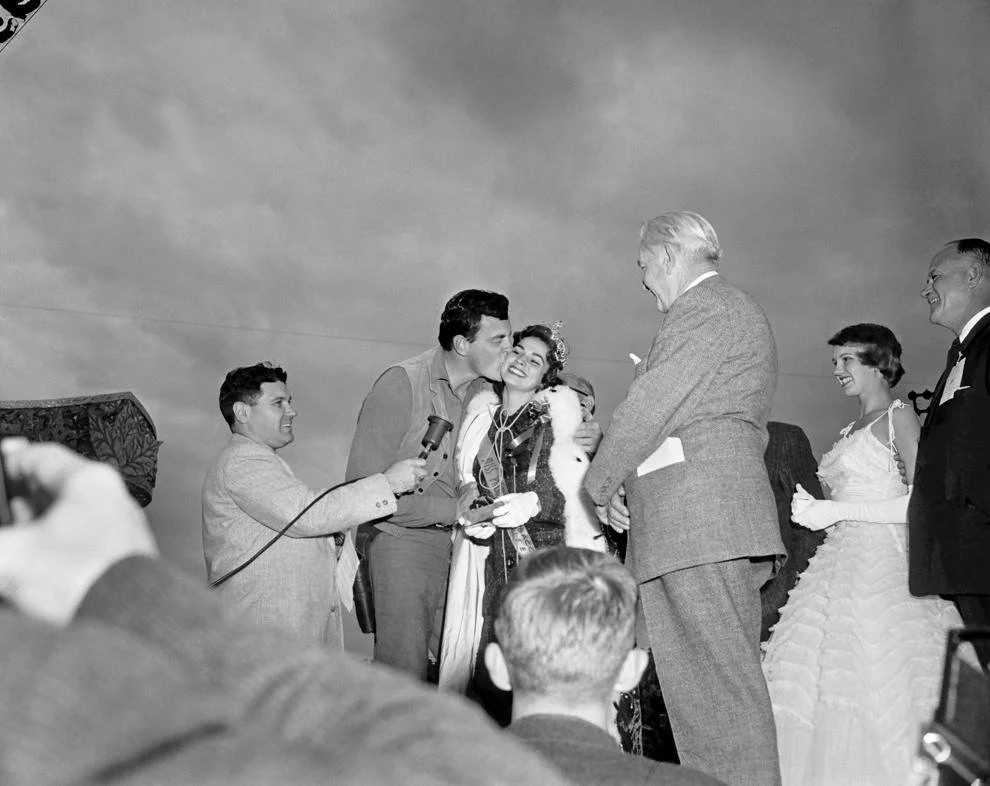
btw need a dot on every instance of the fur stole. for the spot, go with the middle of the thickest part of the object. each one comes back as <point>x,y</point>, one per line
<point>568,462</point>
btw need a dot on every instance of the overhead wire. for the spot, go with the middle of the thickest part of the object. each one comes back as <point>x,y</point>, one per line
<point>297,333</point>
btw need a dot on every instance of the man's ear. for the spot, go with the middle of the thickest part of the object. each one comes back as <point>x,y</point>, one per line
<point>974,274</point>
<point>498,669</point>
<point>241,410</point>
<point>632,670</point>
<point>668,262</point>
<point>461,345</point>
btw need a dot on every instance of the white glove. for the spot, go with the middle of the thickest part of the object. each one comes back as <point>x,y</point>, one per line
<point>479,531</point>
<point>817,514</point>
<point>514,510</point>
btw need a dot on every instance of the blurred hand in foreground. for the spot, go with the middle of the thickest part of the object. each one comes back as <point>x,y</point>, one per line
<point>73,520</point>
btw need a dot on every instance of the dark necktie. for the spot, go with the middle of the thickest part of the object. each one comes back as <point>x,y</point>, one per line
<point>954,351</point>
<point>951,358</point>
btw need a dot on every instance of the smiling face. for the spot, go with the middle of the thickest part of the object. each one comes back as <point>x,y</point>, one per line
<point>268,420</point>
<point>948,290</point>
<point>853,376</point>
<point>525,365</point>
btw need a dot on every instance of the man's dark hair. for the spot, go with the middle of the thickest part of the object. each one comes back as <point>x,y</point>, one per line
<point>881,349</point>
<point>975,247</point>
<point>244,384</point>
<point>463,312</point>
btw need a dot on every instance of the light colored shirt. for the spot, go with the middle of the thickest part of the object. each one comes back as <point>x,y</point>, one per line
<point>954,379</point>
<point>699,279</point>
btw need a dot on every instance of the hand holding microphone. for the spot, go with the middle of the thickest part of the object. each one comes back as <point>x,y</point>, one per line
<point>403,475</point>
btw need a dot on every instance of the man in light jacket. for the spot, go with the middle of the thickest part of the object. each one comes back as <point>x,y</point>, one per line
<point>250,495</point>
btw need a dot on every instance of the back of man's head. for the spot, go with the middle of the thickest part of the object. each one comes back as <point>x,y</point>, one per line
<point>244,384</point>
<point>683,234</point>
<point>463,312</point>
<point>566,623</point>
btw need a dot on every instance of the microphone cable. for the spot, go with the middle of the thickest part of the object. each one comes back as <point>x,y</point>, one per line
<point>278,535</point>
<point>434,434</point>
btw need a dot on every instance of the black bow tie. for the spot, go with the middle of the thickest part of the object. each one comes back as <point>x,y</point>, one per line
<point>955,350</point>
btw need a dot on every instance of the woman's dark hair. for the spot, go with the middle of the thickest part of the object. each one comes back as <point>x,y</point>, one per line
<point>555,363</point>
<point>244,384</point>
<point>881,349</point>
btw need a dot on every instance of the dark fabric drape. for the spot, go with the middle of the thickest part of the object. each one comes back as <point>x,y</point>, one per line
<point>111,427</point>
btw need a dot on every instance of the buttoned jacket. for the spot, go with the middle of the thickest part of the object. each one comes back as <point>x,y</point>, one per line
<point>708,382</point>
<point>250,494</point>
<point>949,512</point>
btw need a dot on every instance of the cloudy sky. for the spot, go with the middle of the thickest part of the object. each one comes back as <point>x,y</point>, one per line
<point>187,187</point>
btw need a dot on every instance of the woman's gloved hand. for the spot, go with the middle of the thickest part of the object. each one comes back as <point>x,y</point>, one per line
<point>514,510</point>
<point>816,514</point>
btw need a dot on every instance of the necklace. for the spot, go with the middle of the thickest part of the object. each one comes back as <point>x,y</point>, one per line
<point>495,487</point>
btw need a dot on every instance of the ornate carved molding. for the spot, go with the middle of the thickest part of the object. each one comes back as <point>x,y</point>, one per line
<point>111,427</point>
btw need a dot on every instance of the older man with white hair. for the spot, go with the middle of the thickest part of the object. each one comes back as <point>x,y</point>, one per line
<point>681,467</point>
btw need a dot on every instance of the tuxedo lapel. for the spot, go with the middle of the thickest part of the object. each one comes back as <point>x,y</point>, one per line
<point>940,386</point>
<point>955,350</point>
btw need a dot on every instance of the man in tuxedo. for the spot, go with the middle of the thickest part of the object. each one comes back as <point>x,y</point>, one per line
<point>686,450</point>
<point>949,512</point>
<point>566,628</point>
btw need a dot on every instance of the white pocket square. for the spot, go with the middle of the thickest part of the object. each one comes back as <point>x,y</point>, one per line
<point>671,451</point>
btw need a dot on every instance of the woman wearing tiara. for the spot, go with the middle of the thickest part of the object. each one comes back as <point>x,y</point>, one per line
<point>516,450</point>
<point>854,664</point>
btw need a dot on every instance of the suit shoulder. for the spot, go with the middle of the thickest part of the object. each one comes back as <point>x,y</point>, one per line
<point>736,295</point>
<point>734,309</point>
<point>242,450</point>
<point>717,290</point>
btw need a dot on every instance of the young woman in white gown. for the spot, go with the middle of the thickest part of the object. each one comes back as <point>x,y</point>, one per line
<point>854,664</point>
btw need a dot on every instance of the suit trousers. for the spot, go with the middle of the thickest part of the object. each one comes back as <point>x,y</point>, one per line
<point>704,626</point>
<point>409,583</point>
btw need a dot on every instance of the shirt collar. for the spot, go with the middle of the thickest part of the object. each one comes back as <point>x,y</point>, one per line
<point>699,279</point>
<point>972,323</point>
<point>438,369</point>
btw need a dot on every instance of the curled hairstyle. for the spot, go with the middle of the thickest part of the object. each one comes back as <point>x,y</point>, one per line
<point>555,363</point>
<point>881,349</point>
<point>683,231</point>
<point>463,312</point>
<point>566,622</point>
<point>974,247</point>
<point>244,384</point>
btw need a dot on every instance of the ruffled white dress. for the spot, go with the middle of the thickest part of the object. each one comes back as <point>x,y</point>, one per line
<point>855,662</point>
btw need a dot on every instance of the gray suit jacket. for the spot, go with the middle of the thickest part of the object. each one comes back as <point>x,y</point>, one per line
<point>708,381</point>
<point>250,494</point>
<point>156,682</point>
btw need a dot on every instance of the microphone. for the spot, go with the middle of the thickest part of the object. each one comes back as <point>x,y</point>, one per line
<point>434,434</point>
